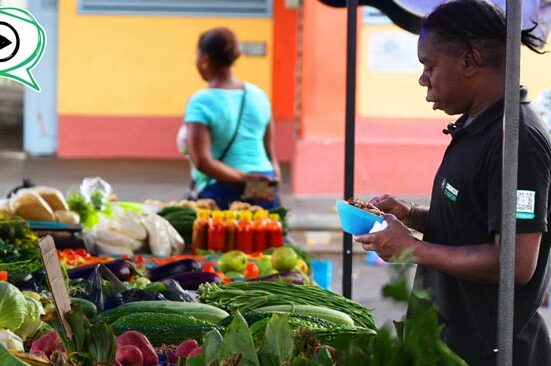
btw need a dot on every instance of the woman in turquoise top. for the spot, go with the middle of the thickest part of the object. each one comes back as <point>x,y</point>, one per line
<point>227,108</point>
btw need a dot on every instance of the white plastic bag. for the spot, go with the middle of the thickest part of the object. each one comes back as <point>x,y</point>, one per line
<point>162,236</point>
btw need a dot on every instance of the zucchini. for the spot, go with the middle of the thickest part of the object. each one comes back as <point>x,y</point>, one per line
<point>179,209</point>
<point>88,308</point>
<point>200,311</point>
<point>169,329</point>
<point>334,316</point>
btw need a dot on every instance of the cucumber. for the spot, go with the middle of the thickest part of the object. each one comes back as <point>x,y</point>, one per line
<point>88,308</point>
<point>334,316</point>
<point>294,319</point>
<point>169,329</point>
<point>200,311</point>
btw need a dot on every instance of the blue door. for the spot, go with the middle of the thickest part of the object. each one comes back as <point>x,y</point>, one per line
<point>40,108</point>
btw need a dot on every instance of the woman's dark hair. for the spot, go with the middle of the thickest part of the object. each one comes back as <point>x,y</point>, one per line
<point>221,45</point>
<point>469,24</point>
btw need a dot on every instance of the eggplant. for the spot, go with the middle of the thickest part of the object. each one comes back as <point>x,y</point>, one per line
<point>170,269</point>
<point>296,278</point>
<point>120,268</point>
<point>192,280</point>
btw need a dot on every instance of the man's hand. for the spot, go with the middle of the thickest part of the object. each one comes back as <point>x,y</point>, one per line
<point>390,242</point>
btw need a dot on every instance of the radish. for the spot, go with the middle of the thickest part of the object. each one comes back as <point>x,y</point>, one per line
<point>46,344</point>
<point>186,347</point>
<point>139,340</point>
<point>195,352</point>
<point>129,356</point>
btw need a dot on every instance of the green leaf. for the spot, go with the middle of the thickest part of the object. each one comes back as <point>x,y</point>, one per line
<point>278,344</point>
<point>212,342</point>
<point>7,359</point>
<point>238,340</point>
<point>301,361</point>
<point>324,357</point>
<point>198,360</point>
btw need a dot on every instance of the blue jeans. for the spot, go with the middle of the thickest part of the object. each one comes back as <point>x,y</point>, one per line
<point>225,193</point>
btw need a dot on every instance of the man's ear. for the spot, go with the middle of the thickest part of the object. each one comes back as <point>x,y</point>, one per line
<point>472,61</point>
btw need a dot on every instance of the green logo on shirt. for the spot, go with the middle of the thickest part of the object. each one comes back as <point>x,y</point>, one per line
<point>449,191</point>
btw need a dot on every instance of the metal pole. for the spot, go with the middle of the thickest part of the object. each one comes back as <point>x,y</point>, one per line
<point>509,178</point>
<point>352,6</point>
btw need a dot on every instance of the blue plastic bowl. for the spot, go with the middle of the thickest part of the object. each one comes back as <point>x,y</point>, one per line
<point>354,220</point>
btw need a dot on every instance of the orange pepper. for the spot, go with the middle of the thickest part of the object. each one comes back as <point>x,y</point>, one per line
<point>3,275</point>
<point>209,268</point>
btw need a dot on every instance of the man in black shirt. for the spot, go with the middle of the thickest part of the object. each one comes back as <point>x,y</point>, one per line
<point>462,49</point>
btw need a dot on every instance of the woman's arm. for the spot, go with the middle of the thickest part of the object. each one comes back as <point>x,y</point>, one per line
<point>199,145</point>
<point>270,149</point>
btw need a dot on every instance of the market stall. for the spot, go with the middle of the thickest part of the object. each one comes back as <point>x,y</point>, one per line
<point>176,283</point>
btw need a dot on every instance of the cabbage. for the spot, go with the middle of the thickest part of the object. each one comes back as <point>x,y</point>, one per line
<point>10,340</point>
<point>13,306</point>
<point>32,321</point>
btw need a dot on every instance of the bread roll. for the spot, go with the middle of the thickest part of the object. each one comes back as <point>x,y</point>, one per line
<point>67,217</point>
<point>53,197</point>
<point>30,206</point>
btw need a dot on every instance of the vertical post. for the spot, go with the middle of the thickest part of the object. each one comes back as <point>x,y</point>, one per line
<point>509,192</point>
<point>352,7</point>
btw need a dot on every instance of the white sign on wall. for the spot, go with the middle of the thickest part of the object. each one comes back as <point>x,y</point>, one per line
<point>391,51</point>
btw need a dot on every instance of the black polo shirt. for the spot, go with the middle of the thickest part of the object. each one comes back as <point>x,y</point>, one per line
<point>465,210</point>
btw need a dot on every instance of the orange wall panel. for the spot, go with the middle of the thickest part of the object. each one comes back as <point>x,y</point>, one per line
<point>324,71</point>
<point>284,61</point>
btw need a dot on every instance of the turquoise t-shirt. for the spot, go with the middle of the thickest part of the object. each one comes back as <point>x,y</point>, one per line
<point>218,109</point>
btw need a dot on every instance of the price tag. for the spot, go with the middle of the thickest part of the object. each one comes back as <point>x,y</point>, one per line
<point>56,281</point>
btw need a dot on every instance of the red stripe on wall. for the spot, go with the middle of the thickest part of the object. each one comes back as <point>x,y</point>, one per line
<point>147,137</point>
<point>117,136</point>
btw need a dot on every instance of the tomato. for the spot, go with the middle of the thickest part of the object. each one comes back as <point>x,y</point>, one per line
<point>68,251</point>
<point>251,270</point>
<point>139,258</point>
<point>3,275</point>
<point>81,251</point>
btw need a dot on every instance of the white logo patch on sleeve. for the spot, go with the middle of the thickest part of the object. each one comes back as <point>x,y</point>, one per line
<point>526,204</point>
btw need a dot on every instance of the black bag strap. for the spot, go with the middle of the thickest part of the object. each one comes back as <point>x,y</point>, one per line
<point>230,143</point>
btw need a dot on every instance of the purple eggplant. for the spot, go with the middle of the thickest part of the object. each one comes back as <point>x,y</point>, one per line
<point>171,269</point>
<point>296,278</point>
<point>120,268</point>
<point>192,280</point>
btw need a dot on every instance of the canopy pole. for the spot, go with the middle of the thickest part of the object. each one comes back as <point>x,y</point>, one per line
<point>352,7</point>
<point>509,178</point>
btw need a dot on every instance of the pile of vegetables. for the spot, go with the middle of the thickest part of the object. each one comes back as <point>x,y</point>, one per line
<point>246,296</point>
<point>18,248</point>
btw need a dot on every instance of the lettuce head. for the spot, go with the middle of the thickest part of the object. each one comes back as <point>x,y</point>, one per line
<point>13,306</point>
<point>32,321</point>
